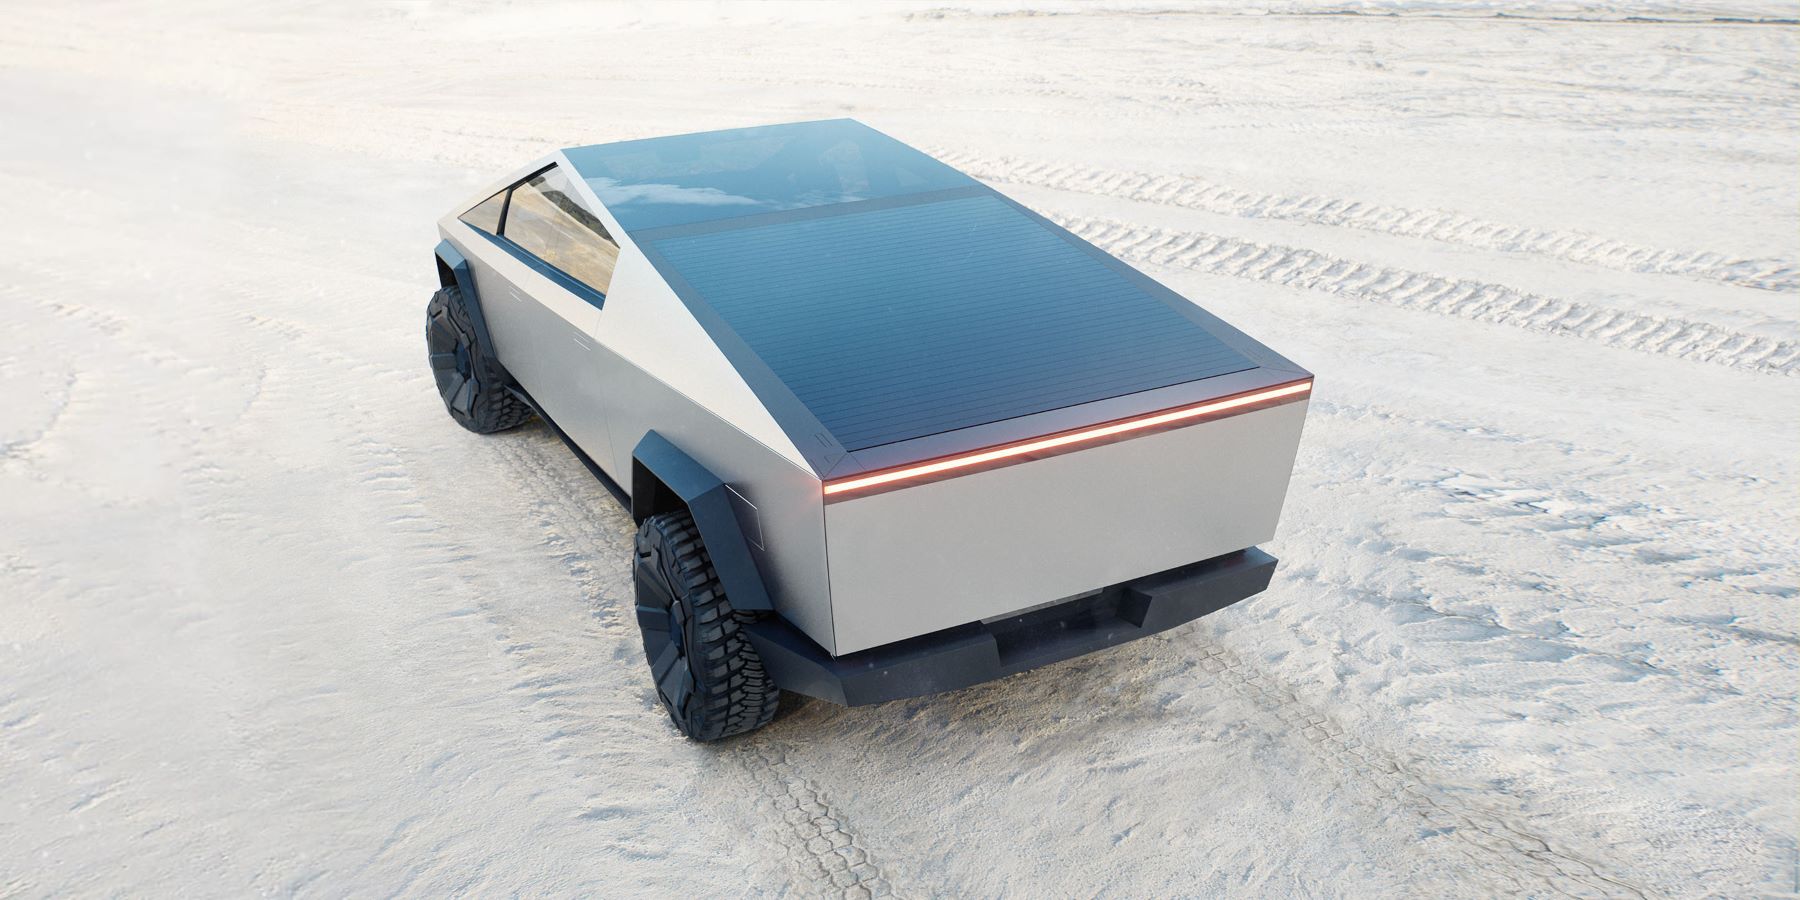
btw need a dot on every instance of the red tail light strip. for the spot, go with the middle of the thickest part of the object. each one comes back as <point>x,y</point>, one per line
<point>1099,432</point>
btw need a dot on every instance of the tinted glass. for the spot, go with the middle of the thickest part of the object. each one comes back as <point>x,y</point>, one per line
<point>486,215</point>
<point>896,323</point>
<point>722,174</point>
<point>548,222</point>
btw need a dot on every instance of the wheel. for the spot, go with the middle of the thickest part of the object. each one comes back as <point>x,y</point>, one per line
<point>707,674</point>
<point>474,390</point>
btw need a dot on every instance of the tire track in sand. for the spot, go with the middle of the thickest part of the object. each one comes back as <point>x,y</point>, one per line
<point>800,822</point>
<point>550,676</point>
<point>817,840</point>
<point>588,533</point>
<point>1526,862</point>
<point>1430,224</point>
<point>572,674</point>
<point>1577,499</point>
<point>1480,301</point>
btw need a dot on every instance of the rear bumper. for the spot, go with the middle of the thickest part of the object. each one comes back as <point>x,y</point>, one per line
<point>983,651</point>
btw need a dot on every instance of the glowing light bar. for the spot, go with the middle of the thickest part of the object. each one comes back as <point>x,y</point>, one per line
<point>1063,440</point>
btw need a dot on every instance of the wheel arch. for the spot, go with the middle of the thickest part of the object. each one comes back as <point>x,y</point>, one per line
<point>665,479</point>
<point>453,271</point>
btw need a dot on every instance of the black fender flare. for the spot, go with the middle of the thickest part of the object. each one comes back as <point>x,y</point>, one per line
<point>659,469</point>
<point>451,260</point>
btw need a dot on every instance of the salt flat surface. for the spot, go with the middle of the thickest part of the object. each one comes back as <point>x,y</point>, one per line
<point>271,623</point>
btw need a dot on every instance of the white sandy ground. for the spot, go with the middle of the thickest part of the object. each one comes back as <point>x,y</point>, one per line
<point>270,623</point>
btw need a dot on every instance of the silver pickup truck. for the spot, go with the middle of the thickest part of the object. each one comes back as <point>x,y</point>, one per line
<point>885,431</point>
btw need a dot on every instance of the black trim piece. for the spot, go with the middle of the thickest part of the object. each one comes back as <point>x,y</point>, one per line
<point>709,501</point>
<point>612,487</point>
<point>505,202</point>
<point>506,206</point>
<point>983,651</point>
<point>458,265</point>
<point>505,195</point>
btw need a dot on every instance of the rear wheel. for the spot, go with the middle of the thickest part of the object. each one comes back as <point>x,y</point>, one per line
<point>707,675</point>
<point>474,389</point>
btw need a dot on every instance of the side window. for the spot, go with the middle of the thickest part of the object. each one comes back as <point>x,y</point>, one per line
<point>546,220</point>
<point>486,214</point>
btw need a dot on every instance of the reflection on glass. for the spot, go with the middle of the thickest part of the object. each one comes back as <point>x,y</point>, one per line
<point>723,174</point>
<point>612,193</point>
<point>486,214</point>
<point>548,222</point>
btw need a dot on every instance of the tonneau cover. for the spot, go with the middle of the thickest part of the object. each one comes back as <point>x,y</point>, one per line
<point>874,297</point>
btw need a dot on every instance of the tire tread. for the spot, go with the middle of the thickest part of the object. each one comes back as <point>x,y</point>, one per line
<point>733,692</point>
<point>493,408</point>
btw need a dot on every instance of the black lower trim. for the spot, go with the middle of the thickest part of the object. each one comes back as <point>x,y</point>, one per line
<point>612,487</point>
<point>983,651</point>
<point>451,258</point>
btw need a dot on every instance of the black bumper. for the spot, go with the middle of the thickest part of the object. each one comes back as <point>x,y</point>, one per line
<point>983,651</point>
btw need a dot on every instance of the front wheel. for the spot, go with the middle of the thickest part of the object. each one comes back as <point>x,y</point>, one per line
<point>708,676</point>
<point>474,389</point>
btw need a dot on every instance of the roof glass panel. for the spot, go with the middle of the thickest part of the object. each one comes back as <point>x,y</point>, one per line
<point>715,175</point>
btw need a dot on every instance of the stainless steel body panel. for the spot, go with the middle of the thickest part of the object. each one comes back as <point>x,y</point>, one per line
<point>655,365</point>
<point>789,515</point>
<point>931,556</point>
<point>543,334</point>
<point>644,323</point>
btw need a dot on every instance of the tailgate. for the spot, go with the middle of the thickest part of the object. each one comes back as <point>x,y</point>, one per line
<point>933,549</point>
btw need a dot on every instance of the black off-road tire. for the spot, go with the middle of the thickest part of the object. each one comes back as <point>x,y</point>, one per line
<point>474,389</point>
<point>707,674</point>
